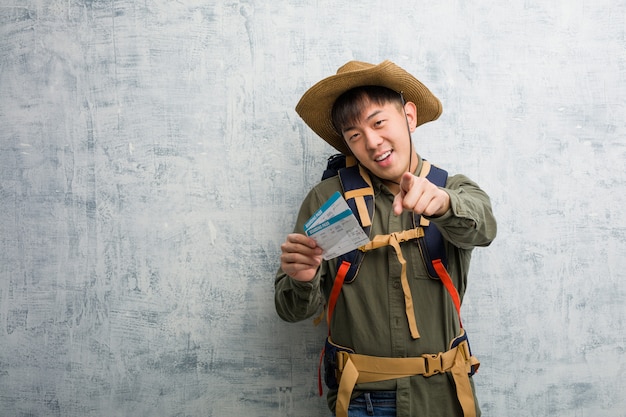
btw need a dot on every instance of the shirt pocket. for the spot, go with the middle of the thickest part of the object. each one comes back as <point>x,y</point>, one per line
<point>416,261</point>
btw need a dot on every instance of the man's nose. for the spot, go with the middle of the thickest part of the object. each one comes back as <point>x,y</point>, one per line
<point>372,139</point>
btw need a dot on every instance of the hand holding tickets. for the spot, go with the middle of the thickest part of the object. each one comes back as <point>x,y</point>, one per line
<point>335,228</point>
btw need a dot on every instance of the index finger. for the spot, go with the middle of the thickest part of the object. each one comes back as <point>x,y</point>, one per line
<point>406,182</point>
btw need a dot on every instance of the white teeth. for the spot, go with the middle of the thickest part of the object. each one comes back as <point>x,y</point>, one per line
<point>383,156</point>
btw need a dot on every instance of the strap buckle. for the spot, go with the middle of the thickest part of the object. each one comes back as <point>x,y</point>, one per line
<point>433,364</point>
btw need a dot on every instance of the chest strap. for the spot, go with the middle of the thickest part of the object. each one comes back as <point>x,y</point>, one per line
<point>394,240</point>
<point>356,369</point>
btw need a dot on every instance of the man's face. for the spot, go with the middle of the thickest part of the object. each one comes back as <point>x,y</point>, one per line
<point>380,139</point>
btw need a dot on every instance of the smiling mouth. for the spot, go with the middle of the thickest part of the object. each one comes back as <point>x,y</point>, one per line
<point>383,156</point>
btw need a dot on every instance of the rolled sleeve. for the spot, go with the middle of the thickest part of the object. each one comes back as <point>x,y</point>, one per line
<point>295,300</point>
<point>470,221</point>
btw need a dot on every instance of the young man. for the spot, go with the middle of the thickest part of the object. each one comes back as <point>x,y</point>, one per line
<point>395,325</point>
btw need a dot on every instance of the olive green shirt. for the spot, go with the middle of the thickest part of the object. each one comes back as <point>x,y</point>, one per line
<point>370,315</point>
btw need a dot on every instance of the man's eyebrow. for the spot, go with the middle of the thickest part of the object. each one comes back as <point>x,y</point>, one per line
<point>374,113</point>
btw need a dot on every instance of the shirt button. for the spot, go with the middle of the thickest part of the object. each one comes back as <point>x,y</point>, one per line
<point>396,284</point>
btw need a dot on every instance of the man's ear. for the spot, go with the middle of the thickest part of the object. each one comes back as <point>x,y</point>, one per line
<point>410,109</point>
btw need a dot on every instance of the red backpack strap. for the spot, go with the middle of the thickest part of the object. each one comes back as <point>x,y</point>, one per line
<point>332,301</point>
<point>447,282</point>
<point>334,293</point>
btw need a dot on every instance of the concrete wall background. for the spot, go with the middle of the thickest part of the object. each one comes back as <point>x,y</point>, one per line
<point>151,163</point>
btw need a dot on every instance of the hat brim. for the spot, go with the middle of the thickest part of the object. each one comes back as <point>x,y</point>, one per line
<point>315,106</point>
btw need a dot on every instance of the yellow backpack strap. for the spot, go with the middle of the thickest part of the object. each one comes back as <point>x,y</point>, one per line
<point>394,240</point>
<point>359,194</point>
<point>350,160</point>
<point>358,369</point>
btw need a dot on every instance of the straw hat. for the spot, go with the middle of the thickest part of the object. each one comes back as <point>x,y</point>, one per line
<point>315,106</point>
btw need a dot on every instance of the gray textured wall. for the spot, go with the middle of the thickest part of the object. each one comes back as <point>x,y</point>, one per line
<point>151,163</point>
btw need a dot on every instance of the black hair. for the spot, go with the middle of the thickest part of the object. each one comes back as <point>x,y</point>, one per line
<point>349,106</point>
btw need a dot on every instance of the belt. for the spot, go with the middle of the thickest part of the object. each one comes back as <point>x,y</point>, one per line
<point>355,369</point>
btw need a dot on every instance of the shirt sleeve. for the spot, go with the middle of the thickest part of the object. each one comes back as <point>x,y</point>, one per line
<point>294,300</point>
<point>470,221</point>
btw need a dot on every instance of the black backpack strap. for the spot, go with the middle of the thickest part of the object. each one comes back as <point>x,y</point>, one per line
<point>359,195</point>
<point>433,245</point>
<point>335,163</point>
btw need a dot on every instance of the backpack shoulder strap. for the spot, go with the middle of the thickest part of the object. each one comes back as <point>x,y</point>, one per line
<point>359,194</point>
<point>433,247</point>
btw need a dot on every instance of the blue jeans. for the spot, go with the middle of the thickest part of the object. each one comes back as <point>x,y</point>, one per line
<point>377,404</point>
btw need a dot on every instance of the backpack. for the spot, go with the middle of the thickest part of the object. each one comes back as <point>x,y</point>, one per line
<point>359,194</point>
